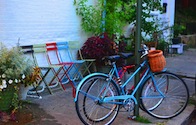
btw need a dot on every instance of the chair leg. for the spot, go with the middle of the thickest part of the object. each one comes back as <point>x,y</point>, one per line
<point>59,79</point>
<point>72,82</point>
<point>47,84</point>
<point>34,92</point>
<point>87,66</point>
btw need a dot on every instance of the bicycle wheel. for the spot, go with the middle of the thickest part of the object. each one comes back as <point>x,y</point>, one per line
<point>166,98</point>
<point>89,105</point>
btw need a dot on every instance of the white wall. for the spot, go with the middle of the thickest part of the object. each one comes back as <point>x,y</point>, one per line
<point>168,18</point>
<point>170,11</point>
<point>38,21</point>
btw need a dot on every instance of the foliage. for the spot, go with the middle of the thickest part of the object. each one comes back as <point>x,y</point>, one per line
<point>164,46</point>
<point>178,29</point>
<point>90,16</point>
<point>15,70</point>
<point>98,47</point>
<point>111,17</point>
<point>116,14</point>
<point>142,119</point>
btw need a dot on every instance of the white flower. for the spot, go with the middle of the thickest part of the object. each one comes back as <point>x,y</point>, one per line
<point>10,81</point>
<point>3,81</point>
<point>3,75</point>
<point>4,85</point>
<point>16,80</point>
<point>23,76</point>
<point>1,87</point>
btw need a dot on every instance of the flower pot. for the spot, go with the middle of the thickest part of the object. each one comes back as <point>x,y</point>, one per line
<point>23,90</point>
<point>6,97</point>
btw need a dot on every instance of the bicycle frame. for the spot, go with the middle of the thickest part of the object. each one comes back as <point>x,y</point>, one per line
<point>124,69</point>
<point>123,95</point>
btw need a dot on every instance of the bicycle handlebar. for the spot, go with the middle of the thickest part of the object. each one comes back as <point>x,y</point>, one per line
<point>144,50</point>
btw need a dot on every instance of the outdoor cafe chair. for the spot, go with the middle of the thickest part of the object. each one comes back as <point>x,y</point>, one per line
<point>50,72</point>
<point>65,56</point>
<point>89,65</point>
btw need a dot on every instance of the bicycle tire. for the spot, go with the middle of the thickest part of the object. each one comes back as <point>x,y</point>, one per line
<point>174,101</point>
<point>89,107</point>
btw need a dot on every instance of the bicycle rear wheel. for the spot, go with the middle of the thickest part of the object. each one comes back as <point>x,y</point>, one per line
<point>89,105</point>
<point>166,98</point>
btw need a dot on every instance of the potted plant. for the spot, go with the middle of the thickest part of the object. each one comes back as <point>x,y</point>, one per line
<point>97,47</point>
<point>15,71</point>
<point>164,46</point>
<point>178,30</point>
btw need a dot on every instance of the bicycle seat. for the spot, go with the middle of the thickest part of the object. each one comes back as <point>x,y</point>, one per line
<point>125,55</point>
<point>112,58</point>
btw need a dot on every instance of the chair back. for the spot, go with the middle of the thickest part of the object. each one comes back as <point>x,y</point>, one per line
<point>40,55</point>
<point>64,52</point>
<point>28,52</point>
<point>52,53</point>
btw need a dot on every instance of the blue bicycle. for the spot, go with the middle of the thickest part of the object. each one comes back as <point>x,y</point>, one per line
<point>99,97</point>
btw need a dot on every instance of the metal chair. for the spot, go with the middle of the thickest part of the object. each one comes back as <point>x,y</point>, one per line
<point>54,59</point>
<point>50,71</point>
<point>66,56</point>
<point>89,63</point>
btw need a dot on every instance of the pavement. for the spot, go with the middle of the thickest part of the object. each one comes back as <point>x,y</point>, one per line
<point>61,108</point>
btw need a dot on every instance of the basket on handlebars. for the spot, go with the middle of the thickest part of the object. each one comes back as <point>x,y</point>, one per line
<point>156,60</point>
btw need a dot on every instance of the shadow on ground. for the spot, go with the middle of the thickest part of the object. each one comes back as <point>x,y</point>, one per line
<point>30,114</point>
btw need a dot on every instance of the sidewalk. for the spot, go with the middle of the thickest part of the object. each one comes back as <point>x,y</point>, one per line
<point>183,64</point>
<point>61,108</point>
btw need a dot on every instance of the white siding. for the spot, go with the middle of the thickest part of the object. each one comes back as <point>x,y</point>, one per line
<point>38,21</point>
<point>168,18</point>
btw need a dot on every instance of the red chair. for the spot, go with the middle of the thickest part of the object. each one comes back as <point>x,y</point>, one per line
<point>52,71</point>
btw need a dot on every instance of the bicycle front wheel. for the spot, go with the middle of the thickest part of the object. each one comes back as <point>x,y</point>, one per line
<point>165,98</point>
<point>89,105</point>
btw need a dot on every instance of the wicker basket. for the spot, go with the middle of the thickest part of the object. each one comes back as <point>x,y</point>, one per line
<point>156,60</point>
